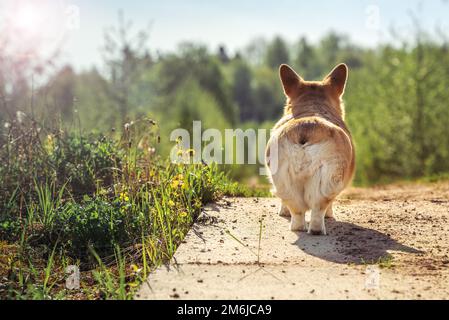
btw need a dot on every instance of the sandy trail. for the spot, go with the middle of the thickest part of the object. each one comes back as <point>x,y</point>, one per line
<point>385,243</point>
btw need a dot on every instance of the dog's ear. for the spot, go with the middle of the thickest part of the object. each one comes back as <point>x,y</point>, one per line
<point>290,80</point>
<point>337,78</point>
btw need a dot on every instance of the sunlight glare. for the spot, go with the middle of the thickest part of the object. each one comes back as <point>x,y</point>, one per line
<point>28,18</point>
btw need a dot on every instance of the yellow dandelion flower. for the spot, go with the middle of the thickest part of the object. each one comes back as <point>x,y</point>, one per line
<point>183,214</point>
<point>124,197</point>
<point>135,268</point>
<point>171,203</point>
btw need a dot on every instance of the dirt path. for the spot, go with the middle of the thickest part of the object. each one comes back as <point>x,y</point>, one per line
<point>386,243</point>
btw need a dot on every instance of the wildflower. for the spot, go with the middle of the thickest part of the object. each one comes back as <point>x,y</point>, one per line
<point>135,269</point>
<point>127,125</point>
<point>175,184</point>
<point>178,181</point>
<point>50,144</point>
<point>171,203</point>
<point>124,197</point>
<point>7,125</point>
<point>183,214</point>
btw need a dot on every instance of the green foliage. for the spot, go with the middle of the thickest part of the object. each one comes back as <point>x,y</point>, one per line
<point>111,205</point>
<point>395,99</point>
<point>242,89</point>
<point>397,113</point>
<point>194,63</point>
<point>84,162</point>
<point>99,203</point>
<point>189,103</point>
<point>35,158</point>
<point>277,53</point>
<point>95,222</point>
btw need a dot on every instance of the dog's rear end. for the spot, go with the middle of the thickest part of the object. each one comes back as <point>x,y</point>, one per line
<point>313,149</point>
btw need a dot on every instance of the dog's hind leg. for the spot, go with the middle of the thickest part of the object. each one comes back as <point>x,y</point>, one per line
<point>284,211</point>
<point>298,222</point>
<point>317,225</point>
<point>298,214</point>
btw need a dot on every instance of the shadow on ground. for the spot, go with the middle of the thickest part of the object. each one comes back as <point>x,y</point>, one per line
<point>350,243</point>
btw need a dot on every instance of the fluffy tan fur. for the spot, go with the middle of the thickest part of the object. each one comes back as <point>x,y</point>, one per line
<point>314,152</point>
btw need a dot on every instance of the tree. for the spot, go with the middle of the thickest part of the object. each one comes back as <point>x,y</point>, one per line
<point>190,102</point>
<point>242,90</point>
<point>62,93</point>
<point>96,109</point>
<point>277,53</point>
<point>330,48</point>
<point>223,54</point>
<point>194,62</point>
<point>268,95</point>
<point>307,61</point>
<point>126,57</point>
<point>255,52</point>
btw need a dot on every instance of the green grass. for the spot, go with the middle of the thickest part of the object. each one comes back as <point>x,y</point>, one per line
<point>384,262</point>
<point>111,207</point>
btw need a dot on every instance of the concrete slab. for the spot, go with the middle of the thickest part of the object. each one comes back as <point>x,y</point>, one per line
<point>368,254</point>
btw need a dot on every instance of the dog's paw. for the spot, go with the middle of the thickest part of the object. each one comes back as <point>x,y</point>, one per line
<point>317,226</point>
<point>284,212</point>
<point>298,223</point>
<point>317,231</point>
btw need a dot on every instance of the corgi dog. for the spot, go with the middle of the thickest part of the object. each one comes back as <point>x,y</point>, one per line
<point>310,155</point>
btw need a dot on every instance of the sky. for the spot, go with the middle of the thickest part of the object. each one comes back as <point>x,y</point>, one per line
<point>80,24</point>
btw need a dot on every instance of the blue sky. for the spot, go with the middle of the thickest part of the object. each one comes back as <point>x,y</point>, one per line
<point>234,23</point>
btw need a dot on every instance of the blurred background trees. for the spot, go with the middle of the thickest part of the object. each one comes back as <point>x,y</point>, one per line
<point>397,96</point>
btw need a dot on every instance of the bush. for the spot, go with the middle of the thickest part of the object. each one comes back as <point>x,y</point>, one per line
<point>83,199</point>
<point>84,162</point>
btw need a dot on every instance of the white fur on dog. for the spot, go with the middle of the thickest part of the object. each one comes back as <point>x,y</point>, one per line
<point>305,176</point>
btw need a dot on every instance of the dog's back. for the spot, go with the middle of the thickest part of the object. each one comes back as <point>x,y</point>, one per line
<point>314,150</point>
